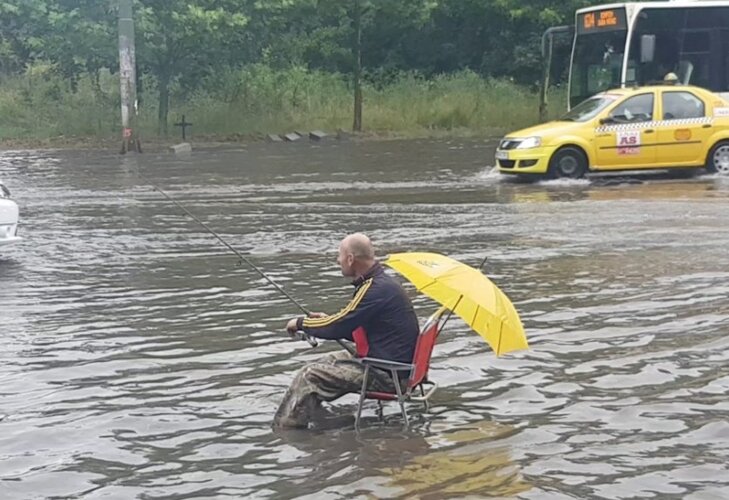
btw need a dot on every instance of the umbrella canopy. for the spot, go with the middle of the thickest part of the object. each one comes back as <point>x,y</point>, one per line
<point>468,293</point>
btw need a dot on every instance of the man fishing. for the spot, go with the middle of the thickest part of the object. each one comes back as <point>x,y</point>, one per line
<point>379,319</point>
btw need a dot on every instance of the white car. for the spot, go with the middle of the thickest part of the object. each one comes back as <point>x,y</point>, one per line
<point>8,217</point>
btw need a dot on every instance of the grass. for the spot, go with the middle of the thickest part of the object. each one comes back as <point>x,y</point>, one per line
<point>40,106</point>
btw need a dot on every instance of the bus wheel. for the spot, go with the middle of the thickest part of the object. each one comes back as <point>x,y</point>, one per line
<point>568,162</point>
<point>718,161</point>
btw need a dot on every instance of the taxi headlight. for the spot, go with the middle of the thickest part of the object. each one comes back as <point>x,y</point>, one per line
<point>530,142</point>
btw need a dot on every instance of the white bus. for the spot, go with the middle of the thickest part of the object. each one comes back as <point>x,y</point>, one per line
<point>622,44</point>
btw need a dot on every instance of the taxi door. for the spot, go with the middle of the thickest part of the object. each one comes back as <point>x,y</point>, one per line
<point>627,138</point>
<point>684,130</point>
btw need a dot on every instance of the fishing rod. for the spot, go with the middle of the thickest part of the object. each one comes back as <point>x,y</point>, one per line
<point>312,341</point>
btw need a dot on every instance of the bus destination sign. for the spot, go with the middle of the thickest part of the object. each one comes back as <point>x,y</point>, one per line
<point>601,20</point>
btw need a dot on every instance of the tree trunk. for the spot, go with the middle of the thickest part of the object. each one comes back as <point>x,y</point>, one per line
<point>164,104</point>
<point>357,55</point>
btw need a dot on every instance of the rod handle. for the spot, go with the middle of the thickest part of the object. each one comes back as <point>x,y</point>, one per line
<point>311,340</point>
<point>303,336</point>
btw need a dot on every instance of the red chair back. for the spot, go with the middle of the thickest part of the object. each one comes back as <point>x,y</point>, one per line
<point>424,349</point>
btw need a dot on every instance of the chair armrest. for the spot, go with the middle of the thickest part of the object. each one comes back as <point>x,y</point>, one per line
<point>386,365</point>
<point>426,397</point>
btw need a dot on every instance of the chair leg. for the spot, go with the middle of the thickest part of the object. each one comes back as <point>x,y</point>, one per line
<point>422,393</point>
<point>400,398</point>
<point>380,410</point>
<point>362,396</point>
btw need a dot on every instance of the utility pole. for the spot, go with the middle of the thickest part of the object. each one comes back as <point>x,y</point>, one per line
<point>357,59</point>
<point>128,78</point>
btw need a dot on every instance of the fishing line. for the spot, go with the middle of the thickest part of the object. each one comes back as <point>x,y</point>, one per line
<point>312,341</point>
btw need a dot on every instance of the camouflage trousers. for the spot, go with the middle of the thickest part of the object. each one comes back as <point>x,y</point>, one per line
<point>326,379</point>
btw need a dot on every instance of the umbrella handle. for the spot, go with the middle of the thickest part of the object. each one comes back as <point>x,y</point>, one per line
<point>450,313</point>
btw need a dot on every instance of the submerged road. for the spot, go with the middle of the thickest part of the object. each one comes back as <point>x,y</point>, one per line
<point>138,360</point>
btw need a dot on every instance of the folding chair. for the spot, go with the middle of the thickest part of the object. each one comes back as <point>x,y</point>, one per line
<point>418,369</point>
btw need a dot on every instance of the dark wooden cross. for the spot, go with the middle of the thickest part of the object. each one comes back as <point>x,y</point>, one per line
<point>183,125</point>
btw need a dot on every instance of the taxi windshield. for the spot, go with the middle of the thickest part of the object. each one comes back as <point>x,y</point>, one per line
<point>588,108</point>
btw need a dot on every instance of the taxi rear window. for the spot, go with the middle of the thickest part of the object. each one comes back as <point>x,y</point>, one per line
<point>680,105</point>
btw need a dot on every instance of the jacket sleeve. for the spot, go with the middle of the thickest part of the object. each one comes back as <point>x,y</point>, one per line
<point>342,324</point>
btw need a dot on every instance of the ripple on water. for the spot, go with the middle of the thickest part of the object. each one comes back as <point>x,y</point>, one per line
<point>138,359</point>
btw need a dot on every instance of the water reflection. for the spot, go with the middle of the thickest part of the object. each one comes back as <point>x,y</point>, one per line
<point>617,189</point>
<point>431,460</point>
<point>467,462</point>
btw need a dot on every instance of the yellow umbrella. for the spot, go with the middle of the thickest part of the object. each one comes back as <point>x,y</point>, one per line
<point>468,293</point>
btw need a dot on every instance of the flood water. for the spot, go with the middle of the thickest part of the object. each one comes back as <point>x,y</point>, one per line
<point>138,359</point>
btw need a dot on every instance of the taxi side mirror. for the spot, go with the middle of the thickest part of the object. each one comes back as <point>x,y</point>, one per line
<point>606,121</point>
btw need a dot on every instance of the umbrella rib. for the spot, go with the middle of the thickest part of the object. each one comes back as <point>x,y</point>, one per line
<point>498,348</point>
<point>475,313</point>
<point>433,282</point>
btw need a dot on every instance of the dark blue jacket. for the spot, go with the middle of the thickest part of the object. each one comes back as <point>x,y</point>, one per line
<point>380,319</point>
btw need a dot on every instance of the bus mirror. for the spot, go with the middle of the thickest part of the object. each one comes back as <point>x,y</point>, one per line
<point>647,48</point>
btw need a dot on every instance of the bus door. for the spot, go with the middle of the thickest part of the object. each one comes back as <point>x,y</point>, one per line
<point>684,129</point>
<point>626,138</point>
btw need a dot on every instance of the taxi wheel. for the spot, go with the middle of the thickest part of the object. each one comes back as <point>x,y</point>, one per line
<point>568,162</point>
<point>718,160</point>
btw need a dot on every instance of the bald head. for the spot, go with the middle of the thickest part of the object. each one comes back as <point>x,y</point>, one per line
<point>356,255</point>
<point>360,246</point>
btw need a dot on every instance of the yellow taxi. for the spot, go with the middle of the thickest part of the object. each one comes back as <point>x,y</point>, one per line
<point>625,129</point>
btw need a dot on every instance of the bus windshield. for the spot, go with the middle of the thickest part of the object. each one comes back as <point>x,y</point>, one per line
<point>596,64</point>
<point>589,108</point>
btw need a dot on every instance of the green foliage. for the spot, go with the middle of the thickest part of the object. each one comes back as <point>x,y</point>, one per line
<point>185,40</point>
<point>249,52</point>
<point>256,100</point>
<point>41,104</point>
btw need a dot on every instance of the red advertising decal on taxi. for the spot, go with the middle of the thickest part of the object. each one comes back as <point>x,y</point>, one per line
<point>628,142</point>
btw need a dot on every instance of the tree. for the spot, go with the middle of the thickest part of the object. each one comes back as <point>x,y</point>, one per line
<point>178,37</point>
<point>349,35</point>
<point>73,35</point>
<point>20,24</point>
<point>81,37</point>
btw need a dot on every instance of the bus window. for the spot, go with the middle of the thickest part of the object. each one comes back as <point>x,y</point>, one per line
<point>690,41</point>
<point>596,65</point>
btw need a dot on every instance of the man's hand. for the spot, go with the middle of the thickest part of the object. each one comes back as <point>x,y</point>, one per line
<point>292,326</point>
<point>318,315</point>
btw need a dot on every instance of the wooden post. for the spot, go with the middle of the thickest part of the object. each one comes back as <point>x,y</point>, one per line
<point>127,78</point>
